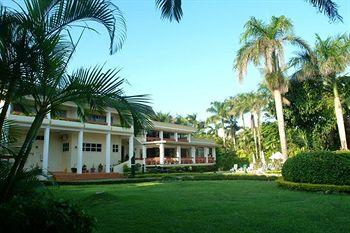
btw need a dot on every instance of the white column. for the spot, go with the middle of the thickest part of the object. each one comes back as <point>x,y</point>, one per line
<point>161,135</point>
<point>144,152</point>
<point>214,153</point>
<point>109,118</point>
<point>131,148</point>
<point>206,153</point>
<point>46,150</point>
<point>80,152</point>
<point>193,154</point>
<point>161,153</point>
<point>178,153</point>
<point>176,136</point>
<point>144,156</point>
<point>189,138</point>
<point>9,110</point>
<point>108,152</point>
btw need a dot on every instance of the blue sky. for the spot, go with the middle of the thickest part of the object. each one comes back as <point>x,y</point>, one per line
<point>185,66</point>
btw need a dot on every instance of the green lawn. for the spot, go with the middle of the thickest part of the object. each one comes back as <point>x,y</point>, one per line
<point>210,206</point>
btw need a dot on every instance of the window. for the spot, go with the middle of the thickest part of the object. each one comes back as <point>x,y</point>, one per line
<point>97,118</point>
<point>65,146</point>
<point>115,148</point>
<point>59,114</point>
<point>39,137</point>
<point>93,147</point>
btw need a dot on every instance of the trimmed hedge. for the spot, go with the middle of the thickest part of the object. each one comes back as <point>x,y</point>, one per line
<point>171,177</point>
<point>326,188</point>
<point>321,167</point>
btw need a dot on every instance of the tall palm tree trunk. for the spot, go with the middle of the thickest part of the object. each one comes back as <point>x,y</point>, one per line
<point>254,136</point>
<point>258,131</point>
<point>280,121</point>
<point>3,113</point>
<point>338,109</point>
<point>21,157</point>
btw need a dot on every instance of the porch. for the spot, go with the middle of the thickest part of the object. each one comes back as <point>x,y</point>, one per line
<point>175,155</point>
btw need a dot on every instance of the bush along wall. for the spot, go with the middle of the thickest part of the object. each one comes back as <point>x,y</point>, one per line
<point>320,167</point>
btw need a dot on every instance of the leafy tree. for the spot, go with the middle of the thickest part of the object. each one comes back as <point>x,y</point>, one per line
<point>327,61</point>
<point>311,111</point>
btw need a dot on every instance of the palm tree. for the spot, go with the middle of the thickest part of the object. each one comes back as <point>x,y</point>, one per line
<point>172,10</point>
<point>163,117</point>
<point>50,19</point>
<point>219,111</point>
<point>239,106</point>
<point>256,103</point>
<point>48,81</point>
<point>328,60</point>
<point>266,41</point>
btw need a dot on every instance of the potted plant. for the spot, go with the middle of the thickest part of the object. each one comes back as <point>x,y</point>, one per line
<point>100,167</point>
<point>93,169</point>
<point>74,170</point>
<point>84,168</point>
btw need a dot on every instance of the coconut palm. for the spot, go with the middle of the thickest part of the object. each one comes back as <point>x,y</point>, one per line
<point>172,10</point>
<point>266,41</point>
<point>328,60</point>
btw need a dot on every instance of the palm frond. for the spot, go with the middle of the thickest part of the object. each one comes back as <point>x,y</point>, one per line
<point>54,16</point>
<point>328,7</point>
<point>171,9</point>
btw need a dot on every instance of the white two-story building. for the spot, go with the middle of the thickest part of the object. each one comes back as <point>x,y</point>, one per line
<point>65,144</point>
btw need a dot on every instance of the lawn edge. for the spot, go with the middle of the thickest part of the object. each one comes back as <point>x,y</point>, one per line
<point>325,188</point>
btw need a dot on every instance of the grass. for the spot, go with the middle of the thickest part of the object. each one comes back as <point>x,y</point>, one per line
<point>209,206</point>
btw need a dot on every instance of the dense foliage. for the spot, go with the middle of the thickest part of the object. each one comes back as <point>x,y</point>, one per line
<point>321,167</point>
<point>225,159</point>
<point>41,213</point>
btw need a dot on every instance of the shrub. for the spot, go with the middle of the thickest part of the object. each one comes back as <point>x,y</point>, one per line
<point>321,167</point>
<point>43,214</point>
<point>126,169</point>
<point>326,188</point>
<point>226,159</point>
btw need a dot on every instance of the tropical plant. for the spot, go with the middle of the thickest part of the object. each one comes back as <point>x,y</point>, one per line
<point>311,111</point>
<point>172,10</point>
<point>219,111</point>
<point>260,40</point>
<point>50,84</point>
<point>40,22</point>
<point>238,107</point>
<point>163,117</point>
<point>328,61</point>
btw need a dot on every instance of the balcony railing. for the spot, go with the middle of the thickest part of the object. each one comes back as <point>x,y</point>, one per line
<point>200,160</point>
<point>169,139</point>
<point>183,140</point>
<point>172,160</point>
<point>211,160</point>
<point>153,161</point>
<point>152,139</point>
<point>186,160</point>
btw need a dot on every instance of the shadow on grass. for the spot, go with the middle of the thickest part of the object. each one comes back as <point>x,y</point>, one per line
<point>99,198</point>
